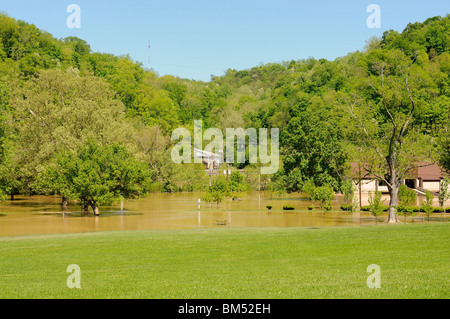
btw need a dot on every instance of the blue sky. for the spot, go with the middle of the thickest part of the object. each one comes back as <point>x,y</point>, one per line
<point>194,39</point>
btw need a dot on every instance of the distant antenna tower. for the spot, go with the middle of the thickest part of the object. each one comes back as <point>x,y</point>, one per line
<point>149,53</point>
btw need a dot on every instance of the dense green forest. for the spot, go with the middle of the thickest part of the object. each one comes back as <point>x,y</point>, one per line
<point>63,106</point>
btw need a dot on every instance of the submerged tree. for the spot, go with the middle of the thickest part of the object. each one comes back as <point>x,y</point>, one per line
<point>98,175</point>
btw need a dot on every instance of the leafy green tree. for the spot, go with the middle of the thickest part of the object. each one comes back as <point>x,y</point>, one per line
<point>350,198</point>
<point>309,188</point>
<point>383,113</point>
<point>375,204</point>
<point>444,193</point>
<point>60,111</point>
<point>427,204</point>
<point>237,183</point>
<point>312,148</point>
<point>213,196</point>
<point>216,192</point>
<point>98,175</point>
<point>406,196</point>
<point>324,194</point>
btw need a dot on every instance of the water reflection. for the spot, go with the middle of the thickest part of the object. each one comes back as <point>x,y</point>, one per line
<point>43,214</point>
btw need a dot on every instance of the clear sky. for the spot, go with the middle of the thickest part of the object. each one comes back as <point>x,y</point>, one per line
<point>196,38</point>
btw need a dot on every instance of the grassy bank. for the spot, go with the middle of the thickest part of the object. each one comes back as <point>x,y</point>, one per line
<point>231,263</point>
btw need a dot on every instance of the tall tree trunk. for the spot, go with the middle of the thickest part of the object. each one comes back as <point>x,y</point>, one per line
<point>393,202</point>
<point>85,207</point>
<point>95,209</point>
<point>12,196</point>
<point>64,204</point>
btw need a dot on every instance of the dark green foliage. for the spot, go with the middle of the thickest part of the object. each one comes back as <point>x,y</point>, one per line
<point>347,207</point>
<point>366,208</point>
<point>288,207</point>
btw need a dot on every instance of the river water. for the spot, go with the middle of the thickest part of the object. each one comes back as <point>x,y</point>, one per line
<point>42,214</point>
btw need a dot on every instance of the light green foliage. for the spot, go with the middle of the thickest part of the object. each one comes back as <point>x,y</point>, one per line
<point>427,204</point>
<point>217,191</point>
<point>60,111</point>
<point>444,193</point>
<point>98,175</point>
<point>255,180</point>
<point>236,182</point>
<point>350,198</point>
<point>324,194</point>
<point>376,204</point>
<point>406,196</point>
<point>213,196</point>
<point>309,189</point>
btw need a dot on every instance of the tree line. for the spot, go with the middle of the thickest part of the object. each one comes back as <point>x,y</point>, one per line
<point>386,107</point>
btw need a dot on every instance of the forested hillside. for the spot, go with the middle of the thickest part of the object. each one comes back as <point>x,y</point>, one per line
<point>60,102</point>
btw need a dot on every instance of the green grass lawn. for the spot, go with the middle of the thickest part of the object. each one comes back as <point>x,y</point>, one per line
<point>232,263</point>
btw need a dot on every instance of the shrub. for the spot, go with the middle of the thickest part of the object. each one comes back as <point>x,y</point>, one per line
<point>367,208</point>
<point>310,208</point>
<point>347,207</point>
<point>288,207</point>
<point>237,183</point>
<point>328,208</point>
<point>409,208</point>
<point>269,207</point>
<point>309,189</point>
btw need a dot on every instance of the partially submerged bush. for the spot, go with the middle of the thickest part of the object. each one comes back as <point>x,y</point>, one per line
<point>288,207</point>
<point>367,208</point>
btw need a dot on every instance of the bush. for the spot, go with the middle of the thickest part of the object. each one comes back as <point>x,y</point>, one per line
<point>328,208</point>
<point>409,208</point>
<point>269,207</point>
<point>288,207</point>
<point>417,209</point>
<point>367,208</point>
<point>310,208</point>
<point>347,207</point>
<point>237,183</point>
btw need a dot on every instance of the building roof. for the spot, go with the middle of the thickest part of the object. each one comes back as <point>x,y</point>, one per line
<point>429,172</point>
<point>426,171</point>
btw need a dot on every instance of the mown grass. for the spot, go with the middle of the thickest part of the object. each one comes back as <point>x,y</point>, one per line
<point>231,263</point>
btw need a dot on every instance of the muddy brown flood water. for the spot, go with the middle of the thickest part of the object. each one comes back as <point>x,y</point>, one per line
<point>42,214</point>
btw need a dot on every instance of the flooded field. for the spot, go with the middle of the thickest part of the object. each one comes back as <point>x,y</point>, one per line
<point>42,214</point>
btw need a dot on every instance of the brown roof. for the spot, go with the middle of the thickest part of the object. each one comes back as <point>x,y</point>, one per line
<point>430,172</point>
<point>426,171</point>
